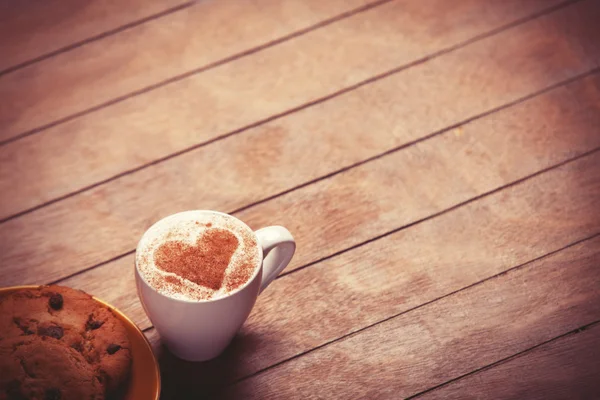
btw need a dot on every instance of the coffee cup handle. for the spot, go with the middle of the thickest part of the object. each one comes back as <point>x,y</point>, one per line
<point>278,248</point>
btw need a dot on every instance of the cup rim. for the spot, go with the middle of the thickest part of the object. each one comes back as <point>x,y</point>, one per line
<point>256,272</point>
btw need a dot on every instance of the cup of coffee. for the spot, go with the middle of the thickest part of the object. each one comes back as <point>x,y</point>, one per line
<point>198,274</point>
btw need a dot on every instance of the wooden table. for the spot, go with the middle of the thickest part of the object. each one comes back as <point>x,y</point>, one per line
<point>438,163</point>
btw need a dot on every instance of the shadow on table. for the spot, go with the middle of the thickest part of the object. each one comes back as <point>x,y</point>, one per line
<point>203,380</point>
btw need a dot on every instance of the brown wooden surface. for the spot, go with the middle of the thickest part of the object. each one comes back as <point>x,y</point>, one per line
<point>150,53</point>
<point>103,280</point>
<point>438,163</point>
<point>497,318</point>
<point>292,303</point>
<point>565,368</point>
<point>110,213</point>
<point>239,94</point>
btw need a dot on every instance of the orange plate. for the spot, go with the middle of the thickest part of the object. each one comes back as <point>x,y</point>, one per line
<point>145,376</point>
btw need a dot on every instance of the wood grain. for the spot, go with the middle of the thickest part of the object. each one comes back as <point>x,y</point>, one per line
<point>450,337</point>
<point>94,147</point>
<point>39,245</point>
<point>30,29</point>
<point>418,266</point>
<point>393,274</point>
<point>566,368</point>
<point>194,37</point>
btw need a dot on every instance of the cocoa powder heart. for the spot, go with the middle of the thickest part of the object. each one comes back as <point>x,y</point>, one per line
<point>205,263</point>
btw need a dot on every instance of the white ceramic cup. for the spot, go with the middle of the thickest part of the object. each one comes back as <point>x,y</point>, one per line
<point>201,330</point>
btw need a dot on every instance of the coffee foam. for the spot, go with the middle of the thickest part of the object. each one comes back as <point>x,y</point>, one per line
<point>189,227</point>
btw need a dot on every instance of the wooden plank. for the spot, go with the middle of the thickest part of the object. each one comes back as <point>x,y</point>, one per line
<point>30,29</point>
<point>150,53</point>
<point>154,339</point>
<point>445,339</point>
<point>566,368</point>
<point>435,257</point>
<point>39,245</point>
<point>217,101</point>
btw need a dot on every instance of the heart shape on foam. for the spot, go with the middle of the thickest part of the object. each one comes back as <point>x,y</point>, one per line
<point>204,263</point>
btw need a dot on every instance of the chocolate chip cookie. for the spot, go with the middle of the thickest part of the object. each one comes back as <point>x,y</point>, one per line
<point>34,367</point>
<point>75,322</point>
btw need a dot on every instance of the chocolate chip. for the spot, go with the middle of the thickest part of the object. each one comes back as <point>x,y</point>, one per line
<point>52,394</point>
<point>77,346</point>
<point>113,348</point>
<point>56,301</point>
<point>53,331</point>
<point>23,326</point>
<point>93,324</point>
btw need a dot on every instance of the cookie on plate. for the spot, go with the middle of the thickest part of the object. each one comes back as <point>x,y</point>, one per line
<point>72,319</point>
<point>33,367</point>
